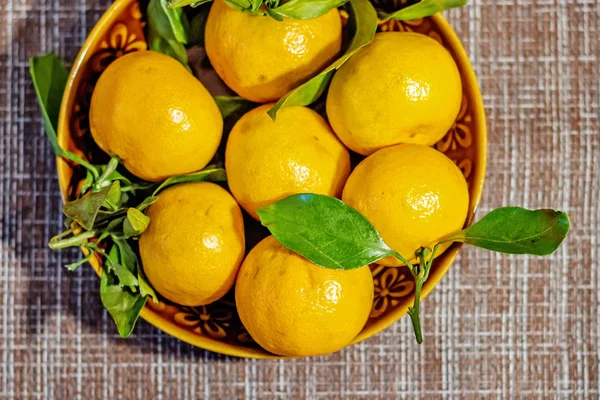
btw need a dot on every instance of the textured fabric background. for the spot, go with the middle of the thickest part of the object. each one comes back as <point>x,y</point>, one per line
<point>496,327</point>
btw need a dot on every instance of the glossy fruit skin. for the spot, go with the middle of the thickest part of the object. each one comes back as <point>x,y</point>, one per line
<point>151,112</point>
<point>412,194</point>
<point>404,87</point>
<point>292,307</point>
<point>268,160</point>
<point>194,245</point>
<point>262,59</point>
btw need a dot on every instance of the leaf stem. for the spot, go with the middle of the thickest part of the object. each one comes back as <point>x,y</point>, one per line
<point>76,159</point>
<point>420,275</point>
<point>404,260</point>
<point>76,264</point>
<point>430,262</point>
<point>414,311</point>
<point>94,247</point>
<point>136,186</point>
<point>74,241</point>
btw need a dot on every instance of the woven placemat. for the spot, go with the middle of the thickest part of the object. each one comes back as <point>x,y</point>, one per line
<point>497,326</point>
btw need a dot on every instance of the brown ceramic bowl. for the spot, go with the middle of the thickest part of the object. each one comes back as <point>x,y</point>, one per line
<point>216,327</point>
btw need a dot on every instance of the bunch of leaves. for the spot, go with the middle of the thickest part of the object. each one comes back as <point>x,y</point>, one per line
<point>276,9</point>
<point>107,214</point>
<point>333,235</point>
<point>306,9</point>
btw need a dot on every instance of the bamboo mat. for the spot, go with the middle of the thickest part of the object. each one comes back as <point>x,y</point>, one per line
<point>496,327</point>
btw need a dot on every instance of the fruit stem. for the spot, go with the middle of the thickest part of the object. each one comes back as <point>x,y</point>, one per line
<point>430,262</point>
<point>420,274</point>
<point>414,311</point>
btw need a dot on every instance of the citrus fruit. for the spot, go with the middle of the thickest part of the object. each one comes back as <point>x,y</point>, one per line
<point>269,160</point>
<point>152,113</point>
<point>403,87</point>
<point>194,244</point>
<point>293,307</point>
<point>262,59</point>
<point>412,194</point>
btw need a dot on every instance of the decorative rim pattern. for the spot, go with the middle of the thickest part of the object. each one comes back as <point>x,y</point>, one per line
<point>217,326</point>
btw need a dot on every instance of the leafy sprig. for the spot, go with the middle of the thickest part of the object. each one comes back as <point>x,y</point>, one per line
<point>276,9</point>
<point>306,9</point>
<point>333,235</point>
<point>107,214</point>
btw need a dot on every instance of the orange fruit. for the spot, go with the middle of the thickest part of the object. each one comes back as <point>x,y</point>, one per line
<point>412,194</point>
<point>268,160</point>
<point>262,59</point>
<point>293,307</point>
<point>152,113</point>
<point>403,87</point>
<point>194,244</point>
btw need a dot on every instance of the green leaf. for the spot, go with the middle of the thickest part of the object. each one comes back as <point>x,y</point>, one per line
<point>171,23</point>
<point>113,197</point>
<point>138,220</point>
<point>136,223</point>
<point>515,230</point>
<point>183,3</point>
<point>85,209</point>
<point>200,3</point>
<point>255,5</point>
<point>121,264</point>
<point>198,24</point>
<point>148,201</point>
<point>209,175</point>
<point>362,24</point>
<point>240,5</point>
<point>122,304</point>
<point>325,231</point>
<point>76,264</point>
<point>233,106</point>
<point>274,15</point>
<point>298,9</point>
<point>305,9</point>
<point>87,183</point>
<point>115,226</point>
<point>104,216</point>
<point>423,8</point>
<point>127,256</point>
<point>167,31</point>
<point>117,176</point>
<point>247,6</point>
<point>49,77</point>
<point>145,287</point>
